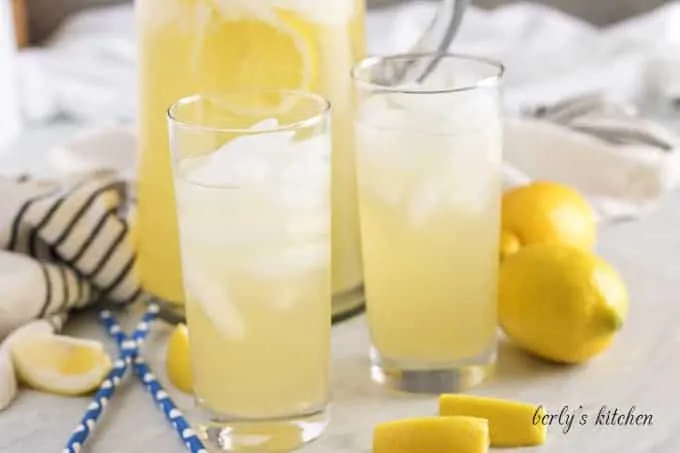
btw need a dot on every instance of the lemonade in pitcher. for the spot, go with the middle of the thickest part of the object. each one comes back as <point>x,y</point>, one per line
<point>213,46</point>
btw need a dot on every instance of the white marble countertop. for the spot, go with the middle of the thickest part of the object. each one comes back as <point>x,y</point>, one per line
<point>641,368</point>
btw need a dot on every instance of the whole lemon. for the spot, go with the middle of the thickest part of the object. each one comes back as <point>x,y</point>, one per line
<point>177,359</point>
<point>560,303</point>
<point>546,212</point>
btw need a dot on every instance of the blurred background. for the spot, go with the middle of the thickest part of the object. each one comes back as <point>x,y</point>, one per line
<point>38,18</point>
<point>67,62</point>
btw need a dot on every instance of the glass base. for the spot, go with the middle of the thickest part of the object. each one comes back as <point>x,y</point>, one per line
<point>172,313</point>
<point>348,303</point>
<point>277,435</point>
<point>432,379</point>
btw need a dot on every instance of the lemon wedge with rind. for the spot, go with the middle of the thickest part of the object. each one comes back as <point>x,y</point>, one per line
<point>60,364</point>
<point>511,423</point>
<point>8,378</point>
<point>432,434</point>
<point>177,359</point>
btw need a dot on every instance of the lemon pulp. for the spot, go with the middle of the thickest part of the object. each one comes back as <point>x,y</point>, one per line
<point>60,364</point>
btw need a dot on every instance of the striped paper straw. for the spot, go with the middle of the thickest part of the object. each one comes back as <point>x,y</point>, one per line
<point>174,416</point>
<point>128,350</point>
<point>114,330</point>
<point>165,403</point>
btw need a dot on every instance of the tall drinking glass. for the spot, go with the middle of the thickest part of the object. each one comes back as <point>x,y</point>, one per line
<point>252,188</point>
<point>429,172</point>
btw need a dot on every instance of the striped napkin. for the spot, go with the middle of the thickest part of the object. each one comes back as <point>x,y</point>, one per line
<point>63,245</point>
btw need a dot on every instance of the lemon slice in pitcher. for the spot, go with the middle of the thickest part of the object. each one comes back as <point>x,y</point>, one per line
<point>251,49</point>
<point>60,364</point>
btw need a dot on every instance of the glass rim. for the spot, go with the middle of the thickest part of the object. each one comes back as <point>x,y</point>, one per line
<point>312,120</point>
<point>482,82</point>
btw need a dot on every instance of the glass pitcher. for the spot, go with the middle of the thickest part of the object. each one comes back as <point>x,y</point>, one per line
<point>210,46</point>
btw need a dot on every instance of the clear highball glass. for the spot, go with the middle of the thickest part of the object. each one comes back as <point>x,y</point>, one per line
<point>429,158</point>
<point>252,189</point>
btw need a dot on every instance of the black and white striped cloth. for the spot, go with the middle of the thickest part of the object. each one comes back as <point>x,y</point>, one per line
<point>63,245</point>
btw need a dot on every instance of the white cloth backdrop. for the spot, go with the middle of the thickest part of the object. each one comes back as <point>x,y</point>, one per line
<point>550,55</point>
<point>87,72</point>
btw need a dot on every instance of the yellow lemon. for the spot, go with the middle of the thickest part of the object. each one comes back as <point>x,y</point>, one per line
<point>239,52</point>
<point>511,423</point>
<point>177,359</point>
<point>432,434</point>
<point>548,213</point>
<point>560,303</point>
<point>60,364</point>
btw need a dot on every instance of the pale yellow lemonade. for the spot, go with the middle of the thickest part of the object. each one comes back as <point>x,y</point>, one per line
<point>213,46</point>
<point>429,187</point>
<point>255,245</point>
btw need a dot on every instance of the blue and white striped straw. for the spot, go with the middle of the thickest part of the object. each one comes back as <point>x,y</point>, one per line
<point>172,413</point>
<point>128,350</point>
<point>165,403</point>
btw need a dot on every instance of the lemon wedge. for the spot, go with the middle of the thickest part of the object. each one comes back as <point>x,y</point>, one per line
<point>177,359</point>
<point>432,434</point>
<point>60,364</point>
<point>511,423</point>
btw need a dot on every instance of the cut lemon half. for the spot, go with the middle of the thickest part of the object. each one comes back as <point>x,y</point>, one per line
<point>248,53</point>
<point>60,364</point>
